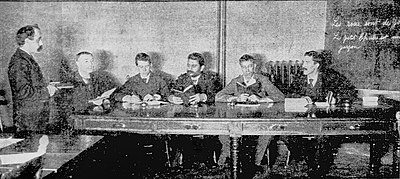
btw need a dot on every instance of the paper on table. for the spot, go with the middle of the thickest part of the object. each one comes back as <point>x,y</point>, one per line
<point>321,104</point>
<point>370,101</point>
<point>248,104</point>
<point>7,142</point>
<point>9,159</point>
<point>296,104</point>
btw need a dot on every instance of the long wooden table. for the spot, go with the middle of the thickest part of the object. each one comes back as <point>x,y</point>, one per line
<point>60,149</point>
<point>236,121</point>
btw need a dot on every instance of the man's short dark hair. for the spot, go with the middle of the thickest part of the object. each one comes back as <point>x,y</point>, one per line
<point>323,57</point>
<point>83,53</point>
<point>198,57</point>
<point>142,57</point>
<point>26,32</point>
<point>246,57</point>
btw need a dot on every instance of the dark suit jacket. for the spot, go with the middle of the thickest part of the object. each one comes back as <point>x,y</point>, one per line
<point>208,83</point>
<point>262,88</point>
<point>99,82</point>
<point>328,80</point>
<point>136,86</point>
<point>29,92</point>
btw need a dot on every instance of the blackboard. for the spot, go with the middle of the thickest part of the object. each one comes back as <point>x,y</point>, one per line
<point>364,37</point>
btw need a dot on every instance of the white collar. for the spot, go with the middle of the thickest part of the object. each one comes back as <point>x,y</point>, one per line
<point>25,51</point>
<point>314,77</point>
<point>146,77</point>
<point>195,79</point>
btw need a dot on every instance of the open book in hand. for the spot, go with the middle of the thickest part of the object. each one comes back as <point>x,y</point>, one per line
<point>184,90</point>
<point>251,89</point>
<point>105,95</point>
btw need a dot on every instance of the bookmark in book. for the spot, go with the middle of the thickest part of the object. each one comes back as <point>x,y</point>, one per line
<point>243,85</point>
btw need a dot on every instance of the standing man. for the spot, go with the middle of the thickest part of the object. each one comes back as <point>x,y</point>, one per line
<point>30,92</point>
<point>196,86</point>
<point>321,84</point>
<point>248,87</point>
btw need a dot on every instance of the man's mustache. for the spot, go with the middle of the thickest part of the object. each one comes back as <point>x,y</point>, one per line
<point>190,71</point>
<point>40,48</point>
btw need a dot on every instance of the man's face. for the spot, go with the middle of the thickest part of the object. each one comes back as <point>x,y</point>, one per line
<point>35,45</point>
<point>194,68</point>
<point>309,65</point>
<point>144,67</point>
<point>85,63</point>
<point>248,68</point>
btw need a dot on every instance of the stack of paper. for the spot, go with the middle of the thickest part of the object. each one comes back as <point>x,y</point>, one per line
<point>370,101</point>
<point>296,105</point>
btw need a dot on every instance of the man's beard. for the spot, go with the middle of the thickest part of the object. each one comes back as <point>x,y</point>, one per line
<point>40,48</point>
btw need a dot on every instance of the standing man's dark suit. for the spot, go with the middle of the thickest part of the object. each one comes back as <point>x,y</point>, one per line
<point>29,93</point>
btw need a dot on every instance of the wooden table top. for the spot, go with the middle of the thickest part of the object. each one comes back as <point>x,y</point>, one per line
<point>60,149</point>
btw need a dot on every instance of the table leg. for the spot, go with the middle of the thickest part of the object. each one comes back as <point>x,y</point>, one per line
<point>374,160</point>
<point>396,148</point>
<point>396,157</point>
<point>235,156</point>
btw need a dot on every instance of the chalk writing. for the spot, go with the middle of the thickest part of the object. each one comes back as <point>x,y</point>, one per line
<point>348,48</point>
<point>362,31</point>
<point>368,23</point>
<point>353,24</point>
<point>336,23</point>
<point>372,23</point>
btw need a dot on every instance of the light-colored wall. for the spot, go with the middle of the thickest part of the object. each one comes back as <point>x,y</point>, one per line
<point>116,32</point>
<point>273,30</point>
<point>169,31</point>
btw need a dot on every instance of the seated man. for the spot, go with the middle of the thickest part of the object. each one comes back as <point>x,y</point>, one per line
<point>145,86</point>
<point>248,87</point>
<point>318,80</point>
<point>196,87</point>
<point>89,84</point>
<point>320,84</point>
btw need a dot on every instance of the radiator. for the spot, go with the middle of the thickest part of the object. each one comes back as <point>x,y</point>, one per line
<point>281,73</point>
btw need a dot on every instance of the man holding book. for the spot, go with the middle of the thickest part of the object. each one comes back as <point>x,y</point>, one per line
<point>248,87</point>
<point>194,87</point>
<point>89,84</point>
<point>144,87</point>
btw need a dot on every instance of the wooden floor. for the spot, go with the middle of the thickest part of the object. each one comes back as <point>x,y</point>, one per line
<point>109,159</point>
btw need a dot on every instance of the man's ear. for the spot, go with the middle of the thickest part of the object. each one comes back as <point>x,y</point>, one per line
<point>202,68</point>
<point>317,64</point>
<point>26,40</point>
